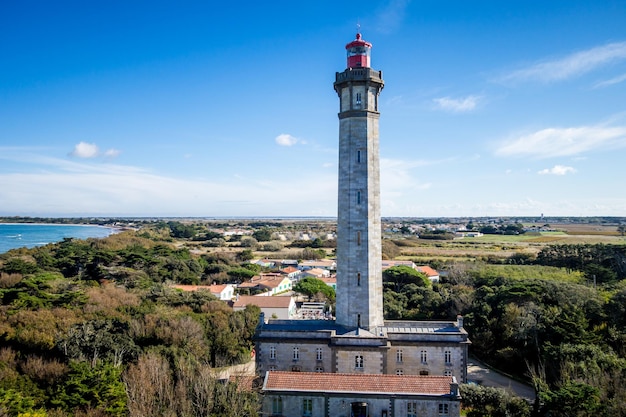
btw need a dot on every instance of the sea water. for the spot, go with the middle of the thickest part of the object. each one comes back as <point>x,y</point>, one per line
<point>19,235</point>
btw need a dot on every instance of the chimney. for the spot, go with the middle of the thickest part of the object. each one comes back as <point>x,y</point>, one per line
<point>459,321</point>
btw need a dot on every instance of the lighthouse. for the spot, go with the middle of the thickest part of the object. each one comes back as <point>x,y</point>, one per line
<point>359,252</point>
<point>358,341</point>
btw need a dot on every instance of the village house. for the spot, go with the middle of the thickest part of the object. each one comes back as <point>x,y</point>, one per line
<point>223,292</point>
<point>328,264</point>
<point>269,284</point>
<point>292,273</point>
<point>316,273</point>
<point>432,275</point>
<point>279,307</point>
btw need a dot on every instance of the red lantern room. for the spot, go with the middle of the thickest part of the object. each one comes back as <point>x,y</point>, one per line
<point>358,53</point>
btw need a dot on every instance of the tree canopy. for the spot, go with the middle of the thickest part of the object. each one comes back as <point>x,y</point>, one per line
<point>315,289</point>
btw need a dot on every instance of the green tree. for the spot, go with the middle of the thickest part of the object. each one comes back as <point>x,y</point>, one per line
<point>14,402</point>
<point>315,288</point>
<point>245,255</point>
<point>96,340</point>
<point>402,275</point>
<point>241,274</point>
<point>312,254</point>
<point>248,242</point>
<point>262,235</point>
<point>19,266</point>
<point>571,399</point>
<point>98,387</point>
<point>179,230</point>
<point>492,402</point>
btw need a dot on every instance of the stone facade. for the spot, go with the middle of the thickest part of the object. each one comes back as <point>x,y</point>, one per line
<point>359,251</point>
<point>317,395</point>
<point>397,348</point>
<point>340,406</point>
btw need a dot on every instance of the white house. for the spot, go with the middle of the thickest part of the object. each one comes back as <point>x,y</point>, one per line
<point>316,273</point>
<point>279,307</point>
<point>224,292</point>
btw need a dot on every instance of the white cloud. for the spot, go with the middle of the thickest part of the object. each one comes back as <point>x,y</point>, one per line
<point>285,139</point>
<point>58,186</point>
<point>396,177</point>
<point>112,153</point>
<point>573,65</point>
<point>85,150</point>
<point>554,142</point>
<point>610,82</point>
<point>557,170</point>
<point>457,105</point>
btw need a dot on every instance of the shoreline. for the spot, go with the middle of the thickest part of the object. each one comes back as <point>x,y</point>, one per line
<point>48,233</point>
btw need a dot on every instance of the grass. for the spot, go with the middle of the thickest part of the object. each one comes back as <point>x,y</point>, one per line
<point>500,246</point>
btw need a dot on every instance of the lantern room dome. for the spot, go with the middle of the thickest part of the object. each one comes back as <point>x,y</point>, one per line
<point>358,52</point>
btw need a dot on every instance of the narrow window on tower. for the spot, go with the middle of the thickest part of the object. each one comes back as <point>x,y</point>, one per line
<point>358,99</point>
<point>358,238</point>
<point>358,157</point>
<point>358,197</point>
<point>358,320</point>
<point>358,279</point>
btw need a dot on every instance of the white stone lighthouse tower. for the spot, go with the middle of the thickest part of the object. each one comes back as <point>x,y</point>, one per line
<point>359,274</point>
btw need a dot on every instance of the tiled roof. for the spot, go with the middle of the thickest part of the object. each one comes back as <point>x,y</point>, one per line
<point>428,271</point>
<point>270,280</point>
<point>318,272</point>
<point>213,288</point>
<point>357,383</point>
<point>249,284</point>
<point>290,269</point>
<point>218,288</point>
<point>262,301</point>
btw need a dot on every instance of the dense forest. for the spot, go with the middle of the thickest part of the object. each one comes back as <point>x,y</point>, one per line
<point>558,321</point>
<point>92,328</point>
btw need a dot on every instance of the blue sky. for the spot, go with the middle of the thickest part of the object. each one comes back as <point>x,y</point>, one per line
<point>196,108</point>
